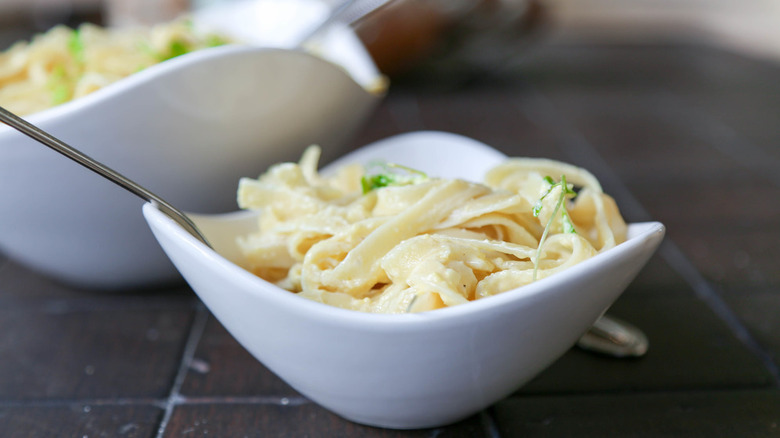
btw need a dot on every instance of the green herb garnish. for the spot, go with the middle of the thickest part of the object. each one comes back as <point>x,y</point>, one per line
<point>76,46</point>
<point>61,80</point>
<point>212,40</point>
<point>175,48</point>
<point>568,225</point>
<point>58,85</point>
<point>392,175</point>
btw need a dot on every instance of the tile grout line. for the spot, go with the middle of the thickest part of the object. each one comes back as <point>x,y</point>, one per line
<point>196,332</point>
<point>489,425</point>
<point>126,401</point>
<point>60,306</point>
<point>730,142</point>
<point>704,291</point>
<point>573,143</point>
<point>298,400</point>
<point>162,403</point>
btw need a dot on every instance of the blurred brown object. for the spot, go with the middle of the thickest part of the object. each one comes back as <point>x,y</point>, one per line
<point>464,34</point>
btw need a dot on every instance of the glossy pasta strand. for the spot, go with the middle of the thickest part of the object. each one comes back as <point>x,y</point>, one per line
<point>419,247</point>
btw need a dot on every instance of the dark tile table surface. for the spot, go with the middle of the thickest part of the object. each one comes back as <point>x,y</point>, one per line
<point>682,134</point>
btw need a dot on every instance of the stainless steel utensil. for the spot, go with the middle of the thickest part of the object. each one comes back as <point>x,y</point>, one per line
<point>614,337</point>
<point>63,148</point>
<point>348,12</point>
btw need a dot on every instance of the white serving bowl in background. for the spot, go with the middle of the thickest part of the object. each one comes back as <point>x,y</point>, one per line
<point>411,370</point>
<point>187,129</point>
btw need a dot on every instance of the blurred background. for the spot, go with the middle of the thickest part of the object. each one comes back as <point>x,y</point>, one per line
<point>456,33</point>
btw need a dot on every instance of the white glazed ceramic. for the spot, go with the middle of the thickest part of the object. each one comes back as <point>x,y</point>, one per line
<point>412,370</point>
<point>187,129</point>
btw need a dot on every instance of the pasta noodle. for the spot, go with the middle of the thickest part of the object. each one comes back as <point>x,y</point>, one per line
<point>425,244</point>
<point>64,64</point>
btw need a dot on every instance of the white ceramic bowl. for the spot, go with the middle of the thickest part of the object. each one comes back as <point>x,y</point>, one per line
<point>187,129</point>
<point>412,370</point>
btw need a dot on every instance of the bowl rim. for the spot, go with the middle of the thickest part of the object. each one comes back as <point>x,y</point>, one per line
<point>647,234</point>
<point>129,83</point>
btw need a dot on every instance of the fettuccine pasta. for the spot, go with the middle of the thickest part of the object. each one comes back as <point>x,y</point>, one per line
<point>64,64</point>
<point>426,244</point>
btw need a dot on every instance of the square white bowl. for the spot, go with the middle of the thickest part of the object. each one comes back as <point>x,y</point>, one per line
<point>412,370</point>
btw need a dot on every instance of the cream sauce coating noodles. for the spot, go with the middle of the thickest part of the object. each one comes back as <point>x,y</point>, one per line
<point>423,246</point>
<point>64,64</point>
